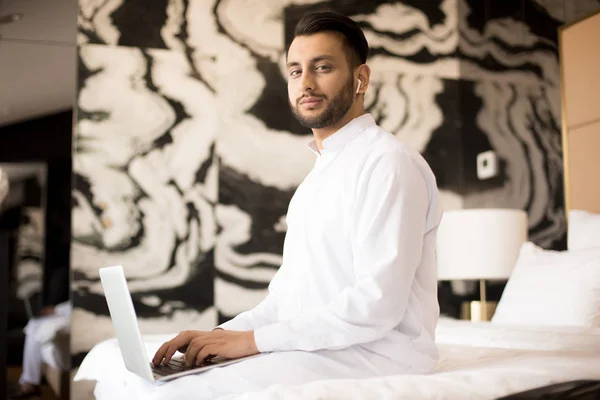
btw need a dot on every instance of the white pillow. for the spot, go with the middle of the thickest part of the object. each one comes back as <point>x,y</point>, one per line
<point>552,288</point>
<point>583,230</point>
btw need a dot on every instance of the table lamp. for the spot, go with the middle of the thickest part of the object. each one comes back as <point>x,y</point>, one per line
<point>479,244</point>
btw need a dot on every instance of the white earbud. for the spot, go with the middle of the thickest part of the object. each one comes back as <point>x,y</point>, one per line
<point>358,88</point>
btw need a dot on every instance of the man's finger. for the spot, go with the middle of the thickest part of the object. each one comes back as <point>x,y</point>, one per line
<point>171,350</point>
<point>160,353</point>
<point>207,351</point>
<point>168,349</point>
<point>183,348</point>
<point>187,336</point>
<point>194,347</point>
<point>171,346</point>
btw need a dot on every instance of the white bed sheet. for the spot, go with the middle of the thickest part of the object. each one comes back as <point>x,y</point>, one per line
<point>477,361</point>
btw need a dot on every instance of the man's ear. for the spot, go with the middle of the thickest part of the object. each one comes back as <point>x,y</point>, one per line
<point>364,74</point>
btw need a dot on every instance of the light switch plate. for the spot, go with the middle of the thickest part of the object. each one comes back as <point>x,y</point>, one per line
<point>487,165</point>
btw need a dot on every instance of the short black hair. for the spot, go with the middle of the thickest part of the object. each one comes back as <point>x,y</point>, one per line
<point>324,21</point>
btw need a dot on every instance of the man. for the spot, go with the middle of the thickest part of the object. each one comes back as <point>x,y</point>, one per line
<point>40,333</point>
<point>38,348</point>
<point>356,295</point>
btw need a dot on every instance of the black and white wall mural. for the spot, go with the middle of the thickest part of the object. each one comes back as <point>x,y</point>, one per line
<point>186,154</point>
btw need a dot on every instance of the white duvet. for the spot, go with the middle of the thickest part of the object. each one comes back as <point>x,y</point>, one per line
<point>477,361</point>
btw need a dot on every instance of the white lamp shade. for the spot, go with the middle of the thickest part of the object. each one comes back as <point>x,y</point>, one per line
<point>479,243</point>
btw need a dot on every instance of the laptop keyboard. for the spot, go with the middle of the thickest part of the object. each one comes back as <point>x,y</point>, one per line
<point>177,364</point>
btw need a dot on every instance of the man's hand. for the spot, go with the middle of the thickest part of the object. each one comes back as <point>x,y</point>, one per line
<point>199,346</point>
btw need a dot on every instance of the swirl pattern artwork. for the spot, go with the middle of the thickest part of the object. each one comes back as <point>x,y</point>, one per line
<point>186,152</point>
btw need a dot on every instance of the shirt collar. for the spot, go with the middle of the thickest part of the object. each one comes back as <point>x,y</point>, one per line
<point>344,134</point>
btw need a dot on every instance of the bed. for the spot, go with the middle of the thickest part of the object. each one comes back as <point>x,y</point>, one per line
<point>478,361</point>
<point>537,337</point>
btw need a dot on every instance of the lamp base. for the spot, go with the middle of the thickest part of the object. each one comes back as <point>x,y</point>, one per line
<point>473,310</point>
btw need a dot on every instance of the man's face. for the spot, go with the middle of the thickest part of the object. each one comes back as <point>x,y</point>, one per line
<point>320,82</point>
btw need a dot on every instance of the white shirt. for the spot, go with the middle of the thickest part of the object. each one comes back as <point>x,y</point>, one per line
<point>359,254</point>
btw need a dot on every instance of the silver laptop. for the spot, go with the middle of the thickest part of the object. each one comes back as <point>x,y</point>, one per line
<point>129,337</point>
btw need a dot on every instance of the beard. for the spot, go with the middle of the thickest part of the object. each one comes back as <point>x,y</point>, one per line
<point>335,111</point>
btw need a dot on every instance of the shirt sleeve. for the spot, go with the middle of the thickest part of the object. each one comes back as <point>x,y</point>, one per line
<point>390,216</point>
<point>264,313</point>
